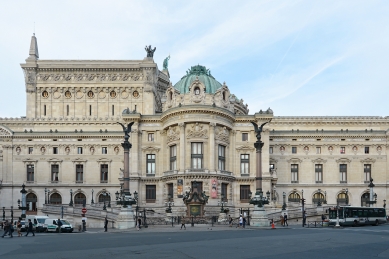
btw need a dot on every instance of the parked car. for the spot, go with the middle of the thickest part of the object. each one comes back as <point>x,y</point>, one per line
<point>38,222</point>
<point>52,225</point>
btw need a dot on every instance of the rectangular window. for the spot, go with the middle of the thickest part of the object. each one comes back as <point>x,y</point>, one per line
<point>54,173</point>
<point>113,110</point>
<point>295,173</point>
<point>270,150</point>
<point>170,190</point>
<point>173,157</point>
<point>150,162</point>
<point>343,173</point>
<point>79,173</point>
<point>44,110</point>
<point>318,150</point>
<point>30,173</point>
<point>150,137</point>
<point>151,193</point>
<point>245,136</point>
<point>244,164</point>
<point>55,150</point>
<point>197,155</point>
<point>367,150</point>
<point>103,173</point>
<point>224,191</point>
<point>67,110</point>
<point>294,150</point>
<point>104,150</point>
<point>222,157</point>
<point>30,150</point>
<point>367,172</point>
<point>79,150</point>
<point>244,193</point>
<point>343,150</point>
<point>90,110</point>
<point>319,173</point>
<point>271,167</point>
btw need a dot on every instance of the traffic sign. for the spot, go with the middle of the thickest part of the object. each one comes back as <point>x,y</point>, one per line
<point>83,210</point>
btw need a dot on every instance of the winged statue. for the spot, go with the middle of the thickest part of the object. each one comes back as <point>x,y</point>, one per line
<point>126,130</point>
<point>259,129</point>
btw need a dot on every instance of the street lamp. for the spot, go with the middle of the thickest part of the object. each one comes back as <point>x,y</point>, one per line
<point>325,197</point>
<point>221,203</point>
<point>12,214</point>
<point>346,196</point>
<point>259,199</point>
<point>319,197</point>
<point>24,205</point>
<point>371,186</point>
<point>169,203</point>
<point>71,198</point>
<point>137,207</point>
<point>92,201</point>
<point>302,204</point>
<point>48,196</point>
<point>283,201</point>
<point>105,193</point>
<point>384,204</point>
<point>45,195</point>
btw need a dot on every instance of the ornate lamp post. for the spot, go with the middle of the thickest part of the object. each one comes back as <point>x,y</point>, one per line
<point>105,193</point>
<point>373,196</point>
<point>347,196</point>
<point>325,197</point>
<point>259,216</point>
<point>319,199</point>
<point>71,198</point>
<point>302,204</point>
<point>169,203</point>
<point>45,195</point>
<point>92,201</point>
<point>137,207</point>
<point>24,203</point>
<point>221,203</point>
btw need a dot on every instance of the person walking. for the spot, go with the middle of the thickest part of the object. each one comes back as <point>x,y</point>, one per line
<point>7,229</point>
<point>244,222</point>
<point>138,225</point>
<point>282,220</point>
<point>183,222</point>
<point>19,228</point>
<point>105,224</point>
<point>59,225</point>
<point>285,219</point>
<point>240,221</point>
<point>230,220</point>
<point>29,228</point>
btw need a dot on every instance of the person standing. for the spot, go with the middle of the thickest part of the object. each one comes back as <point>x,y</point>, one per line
<point>230,220</point>
<point>19,228</point>
<point>282,220</point>
<point>29,228</point>
<point>7,229</point>
<point>105,224</point>
<point>139,222</point>
<point>240,221</point>
<point>304,218</point>
<point>285,219</point>
<point>59,224</point>
<point>244,222</point>
<point>183,222</point>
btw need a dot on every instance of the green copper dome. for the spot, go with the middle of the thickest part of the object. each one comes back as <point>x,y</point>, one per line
<point>203,74</point>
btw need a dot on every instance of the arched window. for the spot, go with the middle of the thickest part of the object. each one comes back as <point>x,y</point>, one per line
<point>294,197</point>
<point>79,198</point>
<point>55,198</point>
<point>31,200</point>
<point>197,91</point>
<point>365,198</point>
<point>170,96</point>
<point>342,198</point>
<point>224,96</point>
<point>104,197</point>
<point>318,198</point>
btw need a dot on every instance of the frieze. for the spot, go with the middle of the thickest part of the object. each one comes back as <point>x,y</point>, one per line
<point>86,77</point>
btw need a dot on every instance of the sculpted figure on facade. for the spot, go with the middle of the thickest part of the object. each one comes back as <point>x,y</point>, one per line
<point>173,134</point>
<point>222,134</point>
<point>197,131</point>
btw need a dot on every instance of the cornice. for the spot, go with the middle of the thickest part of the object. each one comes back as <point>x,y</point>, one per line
<point>193,109</point>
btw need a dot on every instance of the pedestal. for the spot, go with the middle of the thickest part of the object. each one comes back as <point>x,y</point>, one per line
<point>125,219</point>
<point>222,217</point>
<point>259,217</point>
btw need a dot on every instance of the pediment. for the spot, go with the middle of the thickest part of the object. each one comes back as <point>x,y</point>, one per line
<point>319,161</point>
<point>368,161</point>
<point>343,160</point>
<point>151,149</point>
<point>4,131</point>
<point>245,148</point>
<point>54,160</point>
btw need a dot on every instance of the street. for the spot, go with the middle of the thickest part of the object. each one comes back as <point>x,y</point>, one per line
<point>202,242</point>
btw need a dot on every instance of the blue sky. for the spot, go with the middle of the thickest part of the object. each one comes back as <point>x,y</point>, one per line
<point>301,58</point>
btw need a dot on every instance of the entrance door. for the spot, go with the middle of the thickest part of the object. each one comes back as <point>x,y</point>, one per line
<point>31,201</point>
<point>365,198</point>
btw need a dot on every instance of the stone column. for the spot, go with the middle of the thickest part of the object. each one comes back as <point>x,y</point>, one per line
<point>182,147</point>
<point>212,147</point>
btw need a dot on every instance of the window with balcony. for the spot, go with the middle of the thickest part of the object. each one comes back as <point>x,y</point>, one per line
<point>343,173</point>
<point>173,157</point>
<point>319,173</point>
<point>222,157</point>
<point>54,173</point>
<point>294,173</point>
<point>104,173</point>
<point>150,162</point>
<point>79,173</point>
<point>151,193</point>
<point>197,155</point>
<point>224,191</point>
<point>367,172</point>
<point>245,164</point>
<point>30,173</point>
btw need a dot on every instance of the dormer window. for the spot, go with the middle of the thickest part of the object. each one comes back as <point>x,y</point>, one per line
<point>197,91</point>
<point>224,96</point>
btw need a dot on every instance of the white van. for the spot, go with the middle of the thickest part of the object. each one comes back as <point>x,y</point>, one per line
<point>38,222</point>
<point>52,225</point>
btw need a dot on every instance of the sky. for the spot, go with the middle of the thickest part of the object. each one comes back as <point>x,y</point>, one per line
<point>301,58</point>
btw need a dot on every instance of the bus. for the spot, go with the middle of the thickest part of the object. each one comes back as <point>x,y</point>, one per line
<point>355,216</point>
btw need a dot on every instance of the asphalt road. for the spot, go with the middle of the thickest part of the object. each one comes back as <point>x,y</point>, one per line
<point>295,242</point>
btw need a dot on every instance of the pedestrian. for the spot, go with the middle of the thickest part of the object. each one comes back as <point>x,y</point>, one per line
<point>240,221</point>
<point>323,217</point>
<point>285,219</point>
<point>230,220</point>
<point>183,222</point>
<point>304,218</point>
<point>282,220</point>
<point>29,228</point>
<point>139,222</point>
<point>105,224</point>
<point>7,229</point>
<point>244,222</point>
<point>59,225</point>
<point>19,228</point>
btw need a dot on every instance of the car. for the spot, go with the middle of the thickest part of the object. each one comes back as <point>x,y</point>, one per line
<point>52,226</point>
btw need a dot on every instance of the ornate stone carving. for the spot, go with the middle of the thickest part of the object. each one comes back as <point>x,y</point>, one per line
<point>173,134</point>
<point>67,150</point>
<point>222,134</point>
<point>5,132</point>
<point>116,150</point>
<point>197,131</point>
<point>92,150</point>
<point>197,90</point>
<point>43,149</point>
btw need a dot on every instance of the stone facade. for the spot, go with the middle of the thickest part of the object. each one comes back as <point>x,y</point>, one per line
<point>70,139</point>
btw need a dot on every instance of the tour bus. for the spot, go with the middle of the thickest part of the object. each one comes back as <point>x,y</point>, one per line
<point>354,216</point>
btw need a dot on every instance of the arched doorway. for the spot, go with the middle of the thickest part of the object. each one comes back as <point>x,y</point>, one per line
<point>365,198</point>
<point>318,198</point>
<point>55,198</point>
<point>79,199</point>
<point>294,197</point>
<point>342,198</point>
<point>31,200</point>
<point>104,197</point>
